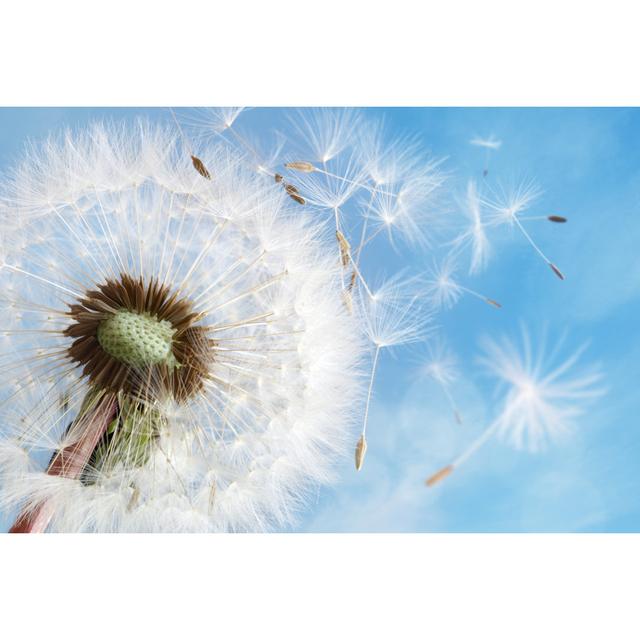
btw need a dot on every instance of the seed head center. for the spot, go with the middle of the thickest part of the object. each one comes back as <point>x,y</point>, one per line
<point>137,339</point>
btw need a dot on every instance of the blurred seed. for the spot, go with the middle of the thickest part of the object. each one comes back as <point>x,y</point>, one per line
<point>352,280</point>
<point>557,218</point>
<point>290,189</point>
<point>458,417</point>
<point>493,303</point>
<point>133,501</point>
<point>361,451</point>
<point>556,270</point>
<point>440,475</point>
<point>305,167</point>
<point>297,198</point>
<point>278,177</point>
<point>345,248</point>
<point>200,168</point>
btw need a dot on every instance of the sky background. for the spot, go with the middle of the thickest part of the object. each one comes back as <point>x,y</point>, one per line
<point>586,162</point>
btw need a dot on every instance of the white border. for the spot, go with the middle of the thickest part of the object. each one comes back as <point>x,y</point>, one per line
<point>319,52</point>
<point>321,586</point>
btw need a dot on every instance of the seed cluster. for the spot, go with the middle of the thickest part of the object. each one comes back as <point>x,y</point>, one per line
<point>137,339</point>
<point>141,339</point>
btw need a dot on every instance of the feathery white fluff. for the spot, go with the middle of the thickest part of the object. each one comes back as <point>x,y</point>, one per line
<point>543,394</point>
<point>278,407</point>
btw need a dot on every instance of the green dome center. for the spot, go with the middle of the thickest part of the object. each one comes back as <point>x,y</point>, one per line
<point>137,339</point>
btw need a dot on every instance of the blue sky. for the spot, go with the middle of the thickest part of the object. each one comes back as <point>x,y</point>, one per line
<point>586,161</point>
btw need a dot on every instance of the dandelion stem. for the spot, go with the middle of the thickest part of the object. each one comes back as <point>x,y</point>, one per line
<point>70,461</point>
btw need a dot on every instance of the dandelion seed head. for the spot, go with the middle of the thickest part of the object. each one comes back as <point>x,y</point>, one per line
<point>199,319</point>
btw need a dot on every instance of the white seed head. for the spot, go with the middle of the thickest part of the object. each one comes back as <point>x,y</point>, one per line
<point>276,403</point>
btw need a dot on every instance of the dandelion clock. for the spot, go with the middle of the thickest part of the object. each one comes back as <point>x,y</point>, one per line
<point>177,354</point>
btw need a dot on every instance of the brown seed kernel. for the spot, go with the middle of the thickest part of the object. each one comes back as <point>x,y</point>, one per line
<point>200,168</point>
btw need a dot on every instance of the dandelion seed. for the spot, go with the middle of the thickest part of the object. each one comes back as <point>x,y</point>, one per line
<point>507,209</point>
<point>361,451</point>
<point>200,168</point>
<point>345,248</point>
<point>552,218</point>
<point>305,167</point>
<point>438,476</point>
<point>444,291</point>
<point>489,144</point>
<point>390,322</point>
<point>541,401</point>
<point>297,198</point>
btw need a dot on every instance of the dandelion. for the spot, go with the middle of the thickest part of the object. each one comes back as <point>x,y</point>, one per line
<point>444,290</point>
<point>507,209</point>
<point>541,397</point>
<point>180,359</point>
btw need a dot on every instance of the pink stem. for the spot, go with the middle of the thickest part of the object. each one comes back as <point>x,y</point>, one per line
<point>70,461</point>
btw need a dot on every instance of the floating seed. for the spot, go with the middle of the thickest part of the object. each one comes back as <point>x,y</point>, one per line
<point>556,270</point>
<point>440,475</point>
